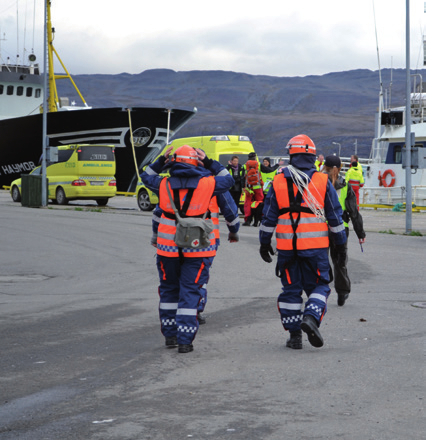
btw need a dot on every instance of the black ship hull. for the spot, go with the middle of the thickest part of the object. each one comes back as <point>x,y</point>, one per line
<point>21,138</point>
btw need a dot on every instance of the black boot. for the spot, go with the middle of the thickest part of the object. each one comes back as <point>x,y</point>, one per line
<point>341,298</point>
<point>310,327</point>
<point>171,342</point>
<point>201,319</point>
<point>185,348</point>
<point>248,221</point>
<point>295,340</point>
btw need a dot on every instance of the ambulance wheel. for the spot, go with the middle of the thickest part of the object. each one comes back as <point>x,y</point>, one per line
<point>102,202</point>
<point>143,201</point>
<point>60,197</point>
<point>16,195</point>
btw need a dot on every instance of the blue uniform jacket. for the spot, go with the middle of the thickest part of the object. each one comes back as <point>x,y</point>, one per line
<point>332,210</point>
<point>184,176</point>
<point>225,202</point>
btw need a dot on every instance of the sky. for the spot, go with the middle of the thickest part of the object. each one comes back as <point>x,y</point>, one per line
<point>271,37</point>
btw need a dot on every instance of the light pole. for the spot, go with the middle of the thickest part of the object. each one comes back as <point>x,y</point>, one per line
<point>337,143</point>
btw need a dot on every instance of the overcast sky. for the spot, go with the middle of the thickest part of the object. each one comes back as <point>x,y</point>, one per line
<point>268,37</point>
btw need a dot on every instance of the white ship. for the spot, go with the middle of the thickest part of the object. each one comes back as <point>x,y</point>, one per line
<point>385,177</point>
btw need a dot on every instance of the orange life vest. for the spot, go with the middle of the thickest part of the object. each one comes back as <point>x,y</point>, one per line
<point>298,228</point>
<point>198,205</point>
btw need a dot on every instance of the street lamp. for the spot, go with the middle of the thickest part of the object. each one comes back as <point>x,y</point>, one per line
<point>337,143</point>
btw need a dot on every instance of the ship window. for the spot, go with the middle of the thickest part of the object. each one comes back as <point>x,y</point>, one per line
<point>29,91</point>
<point>19,90</point>
<point>1,89</point>
<point>397,155</point>
<point>9,90</point>
<point>37,93</point>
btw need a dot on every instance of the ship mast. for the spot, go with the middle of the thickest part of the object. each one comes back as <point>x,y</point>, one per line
<point>53,99</point>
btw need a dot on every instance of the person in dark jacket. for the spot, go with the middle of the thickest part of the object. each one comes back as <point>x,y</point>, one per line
<point>347,199</point>
<point>236,171</point>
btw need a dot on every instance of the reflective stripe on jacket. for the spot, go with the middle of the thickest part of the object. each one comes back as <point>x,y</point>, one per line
<point>311,232</point>
<point>214,212</point>
<point>199,204</point>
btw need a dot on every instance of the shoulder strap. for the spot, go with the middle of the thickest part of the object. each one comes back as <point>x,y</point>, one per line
<point>176,202</point>
<point>294,201</point>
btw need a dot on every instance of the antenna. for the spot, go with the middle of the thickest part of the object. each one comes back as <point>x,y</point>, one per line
<point>424,40</point>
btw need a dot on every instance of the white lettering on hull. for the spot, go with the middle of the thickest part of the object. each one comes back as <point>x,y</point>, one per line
<point>17,167</point>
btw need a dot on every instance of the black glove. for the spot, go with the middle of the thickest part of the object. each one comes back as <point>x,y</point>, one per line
<point>233,237</point>
<point>341,252</point>
<point>207,162</point>
<point>154,240</point>
<point>265,250</point>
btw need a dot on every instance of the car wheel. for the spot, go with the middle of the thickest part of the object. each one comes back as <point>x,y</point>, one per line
<point>16,195</point>
<point>102,202</point>
<point>60,197</point>
<point>143,201</point>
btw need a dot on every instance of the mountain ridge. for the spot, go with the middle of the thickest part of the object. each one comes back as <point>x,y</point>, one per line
<point>335,107</point>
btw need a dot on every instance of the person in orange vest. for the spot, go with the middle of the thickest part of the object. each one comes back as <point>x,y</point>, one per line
<point>194,180</point>
<point>298,207</point>
<point>226,204</point>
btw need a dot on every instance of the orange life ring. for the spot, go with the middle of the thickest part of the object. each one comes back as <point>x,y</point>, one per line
<point>392,182</point>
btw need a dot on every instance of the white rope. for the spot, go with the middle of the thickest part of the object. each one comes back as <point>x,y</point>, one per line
<point>300,179</point>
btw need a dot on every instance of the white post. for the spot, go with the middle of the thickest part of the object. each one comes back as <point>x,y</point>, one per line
<point>408,204</point>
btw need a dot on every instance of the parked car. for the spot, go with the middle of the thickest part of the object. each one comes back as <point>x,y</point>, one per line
<point>82,172</point>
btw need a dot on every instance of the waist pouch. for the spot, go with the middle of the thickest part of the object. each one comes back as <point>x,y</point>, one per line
<point>191,232</point>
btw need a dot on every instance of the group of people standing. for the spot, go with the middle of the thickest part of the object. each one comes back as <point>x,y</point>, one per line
<point>308,210</point>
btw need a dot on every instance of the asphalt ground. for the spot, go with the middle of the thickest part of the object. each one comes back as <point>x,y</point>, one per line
<point>82,356</point>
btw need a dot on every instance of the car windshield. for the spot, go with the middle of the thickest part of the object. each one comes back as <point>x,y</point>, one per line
<point>36,171</point>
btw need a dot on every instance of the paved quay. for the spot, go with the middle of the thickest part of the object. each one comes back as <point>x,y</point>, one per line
<point>82,356</point>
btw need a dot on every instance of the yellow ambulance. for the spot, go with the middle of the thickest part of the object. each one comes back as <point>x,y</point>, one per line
<point>82,172</point>
<point>220,148</point>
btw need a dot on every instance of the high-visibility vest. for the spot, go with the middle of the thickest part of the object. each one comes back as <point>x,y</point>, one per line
<point>318,165</point>
<point>298,228</point>
<point>267,179</point>
<point>343,193</point>
<point>198,205</point>
<point>354,177</point>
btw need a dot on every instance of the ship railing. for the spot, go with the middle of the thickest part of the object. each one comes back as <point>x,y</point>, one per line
<point>17,68</point>
<point>386,195</point>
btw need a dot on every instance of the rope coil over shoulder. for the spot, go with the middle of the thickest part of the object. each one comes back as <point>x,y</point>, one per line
<point>295,206</point>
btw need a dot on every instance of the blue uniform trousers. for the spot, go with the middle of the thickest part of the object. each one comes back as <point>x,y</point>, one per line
<point>180,293</point>
<point>203,290</point>
<point>298,276</point>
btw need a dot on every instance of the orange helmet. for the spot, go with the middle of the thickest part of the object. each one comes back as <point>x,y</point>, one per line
<point>186,154</point>
<point>301,144</point>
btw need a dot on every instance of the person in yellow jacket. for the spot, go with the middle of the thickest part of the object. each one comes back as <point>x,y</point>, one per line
<point>319,163</point>
<point>268,173</point>
<point>356,179</point>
